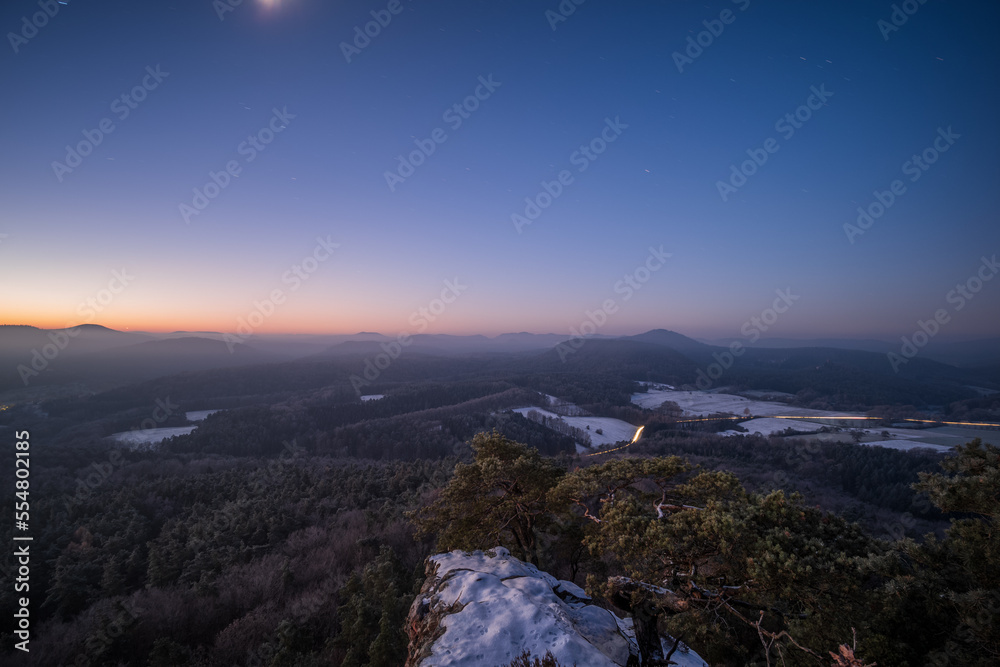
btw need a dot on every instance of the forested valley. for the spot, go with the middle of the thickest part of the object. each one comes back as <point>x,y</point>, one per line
<point>291,527</point>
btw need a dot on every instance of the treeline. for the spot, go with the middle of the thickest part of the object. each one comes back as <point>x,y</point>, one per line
<point>581,387</point>
<point>743,577</point>
<point>877,476</point>
<point>295,559</point>
<point>849,379</point>
<point>424,433</point>
<point>273,557</point>
<point>601,372</point>
<point>558,425</point>
<point>984,408</point>
<point>174,560</point>
<point>435,434</point>
<point>402,399</point>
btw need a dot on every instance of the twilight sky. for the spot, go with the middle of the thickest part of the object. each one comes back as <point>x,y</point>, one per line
<point>310,120</point>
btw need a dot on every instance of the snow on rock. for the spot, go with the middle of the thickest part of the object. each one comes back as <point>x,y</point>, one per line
<point>484,609</point>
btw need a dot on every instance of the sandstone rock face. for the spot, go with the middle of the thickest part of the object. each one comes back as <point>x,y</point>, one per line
<point>484,609</point>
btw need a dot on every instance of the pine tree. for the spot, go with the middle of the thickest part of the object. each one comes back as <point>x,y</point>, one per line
<point>497,500</point>
<point>758,575</point>
<point>947,592</point>
<point>372,613</point>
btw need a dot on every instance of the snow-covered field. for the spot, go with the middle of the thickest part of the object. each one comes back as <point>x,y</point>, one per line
<point>146,438</point>
<point>695,403</point>
<point>613,429</point>
<point>951,435</point>
<point>907,439</point>
<point>699,403</point>
<point>908,433</point>
<point>906,445</point>
<point>768,395</point>
<point>372,397</point>
<point>198,415</point>
<point>541,411</point>
<point>767,426</point>
<point>654,385</point>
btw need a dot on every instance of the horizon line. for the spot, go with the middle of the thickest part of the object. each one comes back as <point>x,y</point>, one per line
<point>728,339</point>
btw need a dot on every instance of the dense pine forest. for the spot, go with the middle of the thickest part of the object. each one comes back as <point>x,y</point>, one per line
<point>291,527</point>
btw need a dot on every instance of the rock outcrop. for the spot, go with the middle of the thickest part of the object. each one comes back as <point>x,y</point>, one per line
<point>485,609</point>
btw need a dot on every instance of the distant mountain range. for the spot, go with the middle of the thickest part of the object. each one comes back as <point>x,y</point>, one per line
<point>975,353</point>
<point>91,353</point>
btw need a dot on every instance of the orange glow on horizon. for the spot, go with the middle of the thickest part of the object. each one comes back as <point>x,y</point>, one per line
<point>390,327</point>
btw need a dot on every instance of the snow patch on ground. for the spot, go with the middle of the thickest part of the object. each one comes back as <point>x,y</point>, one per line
<point>766,394</point>
<point>767,426</point>
<point>699,403</point>
<point>372,397</point>
<point>553,400</point>
<point>614,430</point>
<point>524,412</point>
<point>906,445</point>
<point>905,433</point>
<point>199,415</point>
<point>496,607</point>
<point>907,439</point>
<point>696,403</point>
<point>654,385</point>
<point>146,438</point>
